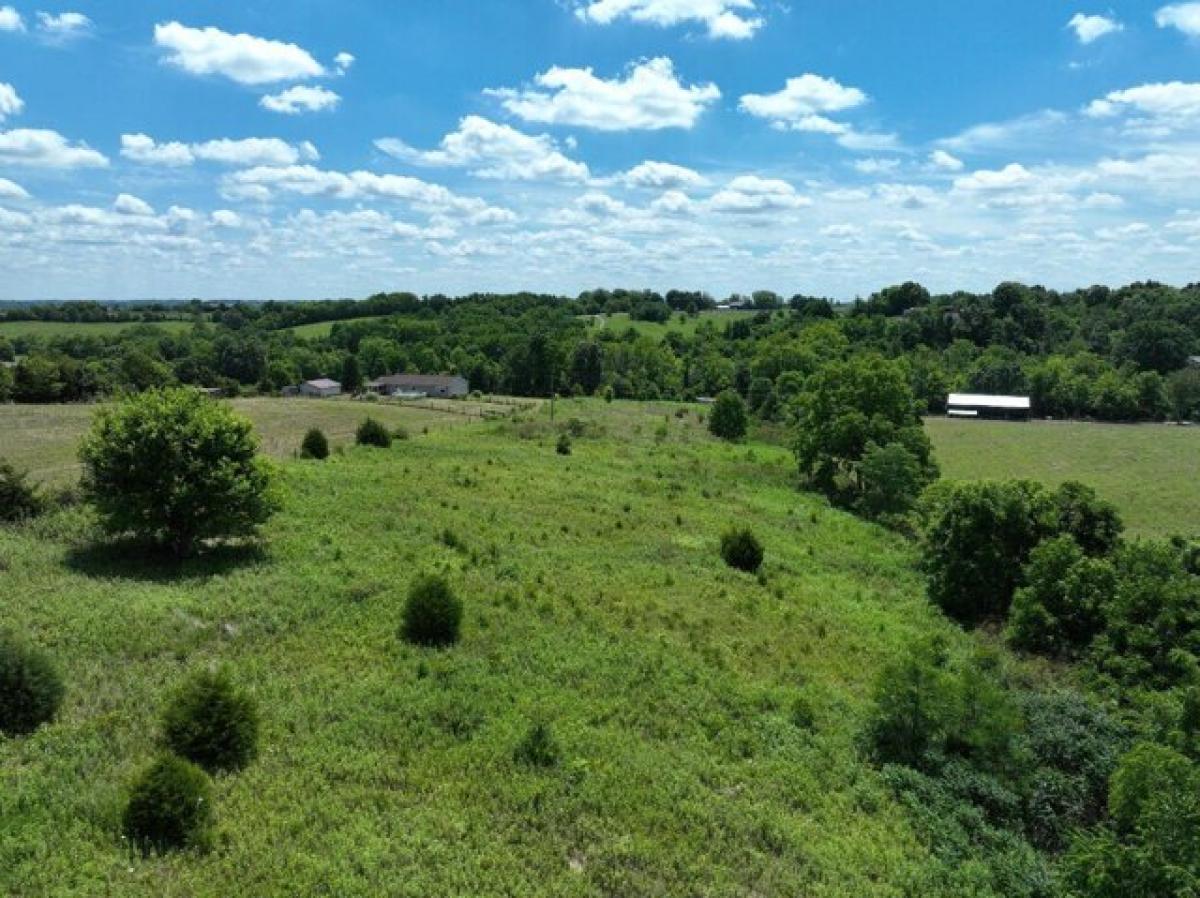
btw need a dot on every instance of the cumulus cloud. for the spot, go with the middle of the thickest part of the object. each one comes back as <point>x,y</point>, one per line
<point>493,150</point>
<point>127,204</point>
<point>806,102</point>
<point>37,148</point>
<point>64,27</point>
<point>1160,107</point>
<point>10,190</point>
<point>10,102</point>
<point>940,159</point>
<point>1091,28</point>
<point>301,98</point>
<point>226,218</point>
<point>10,19</point>
<point>1012,175</point>
<point>751,195</point>
<point>730,19</point>
<point>243,58</point>
<point>343,61</point>
<point>1184,17</point>
<point>663,176</point>
<point>245,152</point>
<point>650,97</point>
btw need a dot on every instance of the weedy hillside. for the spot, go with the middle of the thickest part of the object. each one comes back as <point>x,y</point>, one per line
<point>624,714</point>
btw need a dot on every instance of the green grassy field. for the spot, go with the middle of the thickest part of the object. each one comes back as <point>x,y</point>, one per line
<point>596,602</point>
<point>1151,472</point>
<point>70,328</point>
<point>620,322</point>
<point>321,329</point>
<point>43,438</point>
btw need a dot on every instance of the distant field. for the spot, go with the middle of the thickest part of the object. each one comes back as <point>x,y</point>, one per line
<point>1151,472</point>
<point>43,438</point>
<point>324,328</point>
<point>68,328</point>
<point>687,327</point>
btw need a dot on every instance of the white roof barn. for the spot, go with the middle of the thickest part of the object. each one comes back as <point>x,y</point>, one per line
<point>322,386</point>
<point>981,405</point>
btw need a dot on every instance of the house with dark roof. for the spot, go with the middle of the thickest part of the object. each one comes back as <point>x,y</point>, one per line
<point>446,386</point>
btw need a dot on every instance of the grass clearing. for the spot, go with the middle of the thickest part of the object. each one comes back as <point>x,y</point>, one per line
<point>596,602</point>
<point>43,438</point>
<point>320,329</point>
<point>12,329</point>
<point>1150,471</point>
<point>620,322</point>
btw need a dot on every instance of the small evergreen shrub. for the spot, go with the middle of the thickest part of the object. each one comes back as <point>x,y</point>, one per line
<point>170,806</point>
<point>212,723</point>
<point>608,394</point>
<point>538,748</point>
<point>741,549</point>
<point>400,432</point>
<point>30,687</point>
<point>728,420</point>
<point>315,445</point>
<point>19,499</point>
<point>564,444</point>
<point>433,613</point>
<point>372,433</point>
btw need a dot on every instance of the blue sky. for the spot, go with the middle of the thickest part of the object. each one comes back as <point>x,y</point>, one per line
<point>314,149</point>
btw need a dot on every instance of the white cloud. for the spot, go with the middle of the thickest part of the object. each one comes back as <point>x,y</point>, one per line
<point>243,58</point>
<point>650,97</point>
<point>751,194</point>
<point>1164,106</point>
<point>873,166</point>
<point>10,19</point>
<point>301,98</point>
<point>1092,28</point>
<point>343,61</point>
<point>1012,175</point>
<point>945,161</point>
<point>663,176</point>
<point>10,190</point>
<point>493,150</point>
<point>804,104</point>
<point>245,152</point>
<point>1038,129</point>
<point>64,27</point>
<point>10,103</point>
<point>226,218</point>
<point>126,204</point>
<point>731,19</point>
<point>46,149</point>
<point>1183,16</point>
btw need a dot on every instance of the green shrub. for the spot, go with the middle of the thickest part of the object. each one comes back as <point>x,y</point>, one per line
<point>373,433</point>
<point>315,445</point>
<point>400,432</point>
<point>170,806</point>
<point>30,687</point>
<point>892,480</point>
<point>19,499</point>
<point>175,468</point>
<point>212,723</point>
<point>563,446</point>
<point>433,613</point>
<point>728,418</point>
<point>1060,610</point>
<point>608,394</point>
<point>538,748</point>
<point>741,549</point>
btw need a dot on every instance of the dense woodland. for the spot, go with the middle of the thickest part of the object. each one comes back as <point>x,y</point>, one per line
<point>1114,355</point>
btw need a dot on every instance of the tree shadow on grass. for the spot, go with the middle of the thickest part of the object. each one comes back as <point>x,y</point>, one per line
<point>128,559</point>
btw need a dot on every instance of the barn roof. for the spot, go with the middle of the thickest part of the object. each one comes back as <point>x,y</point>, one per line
<point>322,383</point>
<point>980,400</point>
<point>420,380</point>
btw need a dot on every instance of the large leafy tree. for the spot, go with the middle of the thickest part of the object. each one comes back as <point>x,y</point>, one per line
<point>846,408</point>
<point>174,468</point>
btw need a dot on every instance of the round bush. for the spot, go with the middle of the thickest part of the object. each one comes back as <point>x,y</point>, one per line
<point>19,499</point>
<point>315,445</point>
<point>742,550</point>
<point>373,433</point>
<point>564,445</point>
<point>30,687</point>
<point>170,806</point>
<point>728,418</point>
<point>432,614</point>
<point>211,722</point>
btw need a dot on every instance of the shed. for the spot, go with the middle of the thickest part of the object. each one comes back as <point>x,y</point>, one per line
<point>977,405</point>
<point>322,387</point>
<point>441,385</point>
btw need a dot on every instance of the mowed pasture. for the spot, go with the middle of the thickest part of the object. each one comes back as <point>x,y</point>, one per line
<point>1150,471</point>
<point>707,720</point>
<point>12,329</point>
<point>321,329</point>
<point>685,325</point>
<point>43,438</point>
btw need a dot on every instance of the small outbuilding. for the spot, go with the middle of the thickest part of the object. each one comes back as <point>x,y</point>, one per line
<point>444,386</point>
<point>977,405</point>
<point>321,388</point>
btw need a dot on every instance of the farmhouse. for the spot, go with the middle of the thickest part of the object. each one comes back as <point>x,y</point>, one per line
<point>418,385</point>
<point>322,387</point>
<point>973,405</point>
